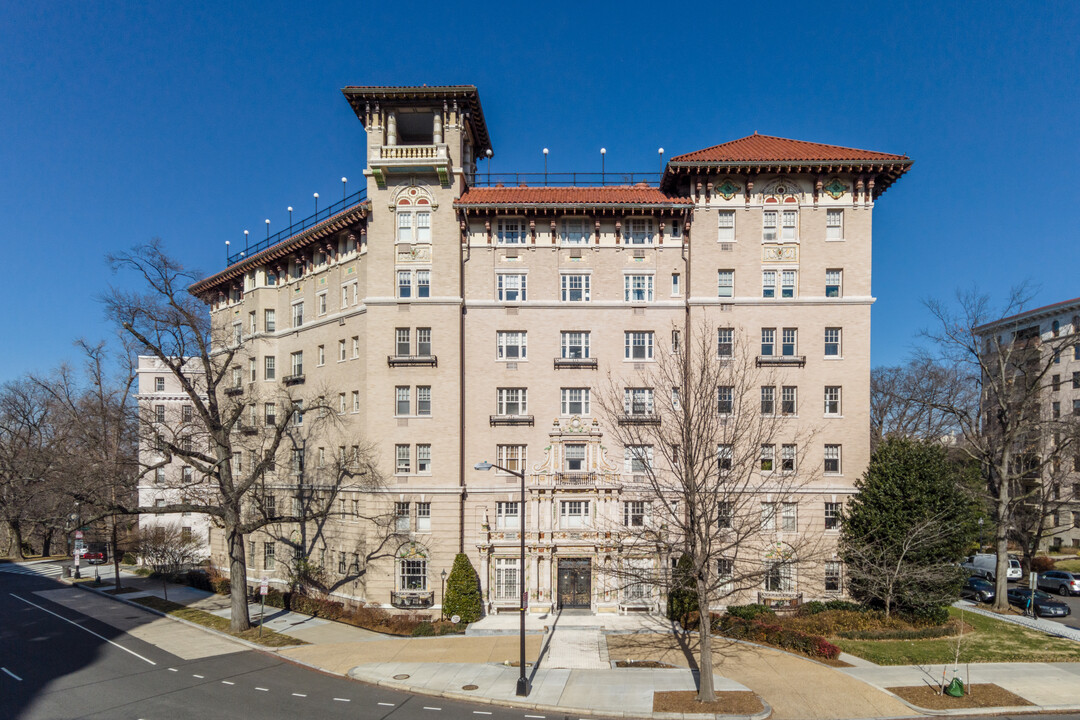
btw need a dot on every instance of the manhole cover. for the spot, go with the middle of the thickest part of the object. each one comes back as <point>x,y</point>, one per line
<point>401,677</point>
<point>470,687</point>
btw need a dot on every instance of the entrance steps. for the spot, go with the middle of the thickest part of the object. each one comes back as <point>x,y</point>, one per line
<point>540,623</point>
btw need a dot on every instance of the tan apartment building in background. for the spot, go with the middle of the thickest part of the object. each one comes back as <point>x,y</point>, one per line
<point>453,317</point>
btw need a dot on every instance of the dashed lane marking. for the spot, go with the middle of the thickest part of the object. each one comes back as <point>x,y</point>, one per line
<point>480,712</point>
<point>262,689</point>
<point>11,674</point>
<point>346,700</point>
<point>539,717</point>
<point>431,708</point>
<point>387,704</point>
<point>226,682</point>
<point>100,637</point>
<point>198,676</point>
<point>173,670</point>
<point>299,695</point>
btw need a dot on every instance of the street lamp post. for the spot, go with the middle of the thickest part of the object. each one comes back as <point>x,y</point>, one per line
<point>442,595</point>
<point>523,680</point>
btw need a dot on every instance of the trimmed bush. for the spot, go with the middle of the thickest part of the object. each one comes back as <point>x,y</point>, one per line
<point>463,591</point>
<point>900,634</point>
<point>128,559</point>
<point>751,611</point>
<point>771,634</point>
<point>934,615</point>
<point>1042,563</point>
<point>424,629</point>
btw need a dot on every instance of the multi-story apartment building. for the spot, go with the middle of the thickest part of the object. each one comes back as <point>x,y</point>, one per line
<point>453,317</point>
<point>1049,338</point>
<point>163,404</point>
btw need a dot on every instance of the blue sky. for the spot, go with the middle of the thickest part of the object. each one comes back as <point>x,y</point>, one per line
<point>191,122</point>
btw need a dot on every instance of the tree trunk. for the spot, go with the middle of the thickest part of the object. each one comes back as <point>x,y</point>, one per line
<point>17,538</point>
<point>237,581</point>
<point>115,557</point>
<point>706,692</point>
<point>46,542</point>
<point>1001,581</point>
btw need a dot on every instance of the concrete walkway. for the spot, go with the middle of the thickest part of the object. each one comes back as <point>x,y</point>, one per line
<point>1047,626</point>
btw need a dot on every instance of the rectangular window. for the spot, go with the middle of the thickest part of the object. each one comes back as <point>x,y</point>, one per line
<point>788,519</point>
<point>268,556</point>
<point>507,584</point>
<point>768,517</point>
<point>297,359</point>
<point>725,283</point>
<point>634,513</point>
<point>832,515</point>
<point>768,341</point>
<point>423,458</point>
<point>321,299</point>
<point>159,384</point>
<point>768,456</point>
<point>298,314</point>
<point>511,231</point>
<point>237,377</point>
<point>355,346</point>
<point>251,554</point>
<point>724,454</point>
<point>423,342</point>
<point>788,400</point>
<point>511,457</point>
<point>768,399</point>
<point>832,399</point>
<point>1055,382</point>
<point>404,461</point>
<point>423,227</point>
<point>401,516</point>
<point>511,401</point>
<point>725,338</point>
<point>1076,380</point>
<point>768,226</point>
<point>402,342</point>
<point>511,345</point>
<point>186,413</point>
<point>423,517</point>
<point>423,399</point>
<point>508,515</point>
<point>638,288</point>
<point>789,342</point>
<point>159,413</point>
<point>574,231</point>
<point>833,280</point>
<point>344,296</point>
<point>787,283</point>
<point>833,583</point>
<point>779,577</point>
<point>238,333</point>
<point>768,283</point>
<point>298,413</point>
<point>639,231</point>
<point>575,401</point>
<point>725,512</point>
<point>573,513</point>
<point>574,457</point>
<point>638,401</point>
<point>341,402</point>
<point>511,288</point>
<point>423,284</point>
<point>727,226</point>
<point>322,355</point>
<point>1055,410</point>
<point>832,459</point>
<point>725,399</point>
<point>404,223</point>
<point>356,401</point>
<point>402,400</point>
<point>638,345</point>
<point>575,345</point>
<point>341,350</point>
<point>832,342</point>
<point>787,458</point>
<point>790,222</point>
<point>676,290</point>
<point>834,224</point>
<point>575,288</point>
<point>159,476</point>
<point>186,474</point>
<point>637,459</point>
<point>412,574</point>
<point>404,284</point>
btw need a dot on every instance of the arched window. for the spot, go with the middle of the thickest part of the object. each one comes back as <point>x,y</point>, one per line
<point>413,208</point>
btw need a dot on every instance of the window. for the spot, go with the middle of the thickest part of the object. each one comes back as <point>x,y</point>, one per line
<point>423,284</point>
<point>1076,407</point>
<point>575,401</point>
<point>268,556</point>
<point>788,400</point>
<point>575,288</point>
<point>768,341</point>
<point>511,401</point>
<point>403,465</point>
<point>412,574</point>
<point>507,585</point>
<point>401,513</point>
<point>779,577</point>
<point>725,574</point>
<point>251,553</point>
<point>1055,410</point>
<point>725,399</point>
<point>639,231</point>
<point>355,346</point>
<point>404,284</point>
<point>423,459</point>
<point>787,283</point>
<point>341,350</point>
<point>834,224</point>
<point>832,576</point>
<point>768,226</point>
<point>788,519</point>
<point>638,345</point>
<point>402,342</point>
<point>1076,380</point>
<point>833,282</point>
<point>1055,382</point>
<point>344,296</point>
<point>768,452</point>
<point>298,314</point>
<point>423,399</point>
<point>574,457</point>
<point>832,399</point>
<point>637,459</point>
<point>832,459</point>
<point>787,458</point>
<point>159,384</point>
<point>832,342</point>
<point>511,457</point>
<point>675,288</point>
<point>725,283</point>
<point>574,231</point>
<point>789,225</point>
<point>321,355</point>
<point>297,460</point>
<point>768,517</point>
<point>341,402</point>
<point>768,399</point>
<point>402,400</point>
<point>789,342</point>
<point>159,413</point>
<point>297,359</point>
<point>321,300</point>
<point>237,377</point>
<point>725,511</point>
<point>511,231</point>
<point>159,476</point>
<point>725,342</point>
<point>510,288</point>
<point>638,288</point>
<point>634,513</point>
<point>638,401</point>
<point>832,515</point>
<point>511,345</point>
<point>724,454</point>
<point>575,345</point>
<point>726,221</point>
<point>238,333</point>
<point>573,513</point>
<point>186,413</point>
<point>508,515</point>
<point>356,401</point>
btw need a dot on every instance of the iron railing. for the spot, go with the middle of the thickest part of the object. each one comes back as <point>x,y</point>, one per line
<point>301,225</point>
<point>541,179</point>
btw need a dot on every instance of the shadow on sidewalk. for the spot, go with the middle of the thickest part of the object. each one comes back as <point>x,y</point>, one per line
<point>545,646</point>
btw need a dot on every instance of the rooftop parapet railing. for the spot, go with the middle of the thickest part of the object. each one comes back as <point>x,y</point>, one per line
<point>301,225</point>
<point>600,179</point>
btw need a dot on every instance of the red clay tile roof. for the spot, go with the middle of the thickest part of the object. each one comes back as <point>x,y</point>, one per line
<point>767,148</point>
<point>609,195</point>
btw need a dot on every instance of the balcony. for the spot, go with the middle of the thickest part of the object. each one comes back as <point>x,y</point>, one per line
<point>412,599</point>
<point>386,160</point>
<point>234,391</point>
<point>639,419</point>
<point>511,420</point>
<point>578,479</point>
<point>297,379</point>
<point>781,360</point>
<point>583,363</point>
<point>412,360</point>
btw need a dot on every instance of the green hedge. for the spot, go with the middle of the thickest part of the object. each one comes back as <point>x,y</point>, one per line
<point>763,632</point>
<point>463,591</point>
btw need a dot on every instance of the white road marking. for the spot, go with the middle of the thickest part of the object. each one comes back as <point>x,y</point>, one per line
<point>226,682</point>
<point>262,689</point>
<point>346,700</point>
<point>299,695</point>
<point>541,717</point>
<point>173,670</point>
<point>386,704</point>
<point>431,708</point>
<point>198,676</point>
<point>100,637</point>
<point>11,674</point>
<point>480,712</point>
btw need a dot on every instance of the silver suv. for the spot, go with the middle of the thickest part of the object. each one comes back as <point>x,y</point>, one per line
<point>1059,581</point>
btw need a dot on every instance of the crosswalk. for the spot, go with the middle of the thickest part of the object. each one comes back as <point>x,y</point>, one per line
<point>38,569</point>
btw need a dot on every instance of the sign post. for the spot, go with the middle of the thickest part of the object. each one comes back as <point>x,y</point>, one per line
<point>78,551</point>
<point>264,587</point>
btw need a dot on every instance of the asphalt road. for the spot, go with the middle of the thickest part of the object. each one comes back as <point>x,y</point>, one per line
<point>56,663</point>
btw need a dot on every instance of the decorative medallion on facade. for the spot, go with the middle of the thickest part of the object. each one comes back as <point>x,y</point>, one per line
<point>783,188</point>
<point>414,254</point>
<point>410,196</point>
<point>727,189</point>
<point>412,551</point>
<point>835,188</point>
<point>780,253</point>
<point>779,551</point>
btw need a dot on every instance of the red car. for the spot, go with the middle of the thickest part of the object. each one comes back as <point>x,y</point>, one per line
<point>95,556</point>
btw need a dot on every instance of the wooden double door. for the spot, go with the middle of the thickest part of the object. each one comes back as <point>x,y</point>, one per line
<point>575,583</point>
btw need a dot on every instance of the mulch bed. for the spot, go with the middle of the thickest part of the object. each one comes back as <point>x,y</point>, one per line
<point>641,664</point>
<point>121,591</point>
<point>729,703</point>
<point>975,696</point>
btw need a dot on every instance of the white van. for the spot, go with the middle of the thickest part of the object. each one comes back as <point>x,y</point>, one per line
<point>984,565</point>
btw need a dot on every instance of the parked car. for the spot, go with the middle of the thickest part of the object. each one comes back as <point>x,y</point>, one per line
<point>984,565</point>
<point>1045,605</point>
<point>978,589</point>
<point>1059,581</point>
<point>96,554</point>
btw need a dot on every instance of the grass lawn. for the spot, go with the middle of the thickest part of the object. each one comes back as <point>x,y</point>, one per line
<point>992,641</point>
<point>201,617</point>
<point>1071,565</point>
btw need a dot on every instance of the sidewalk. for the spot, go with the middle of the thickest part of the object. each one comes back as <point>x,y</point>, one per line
<point>475,667</point>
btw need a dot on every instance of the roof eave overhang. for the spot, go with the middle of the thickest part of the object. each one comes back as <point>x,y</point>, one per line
<point>570,206</point>
<point>1029,315</point>
<point>356,95</point>
<point>888,170</point>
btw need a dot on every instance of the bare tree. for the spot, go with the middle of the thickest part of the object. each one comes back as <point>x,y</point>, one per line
<point>902,397</point>
<point>246,463</point>
<point>166,548</point>
<point>1011,431</point>
<point>713,462</point>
